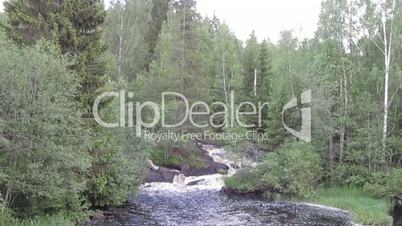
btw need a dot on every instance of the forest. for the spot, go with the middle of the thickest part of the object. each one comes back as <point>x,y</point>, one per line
<point>58,166</point>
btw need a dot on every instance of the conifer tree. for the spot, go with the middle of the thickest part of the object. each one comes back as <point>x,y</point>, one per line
<point>73,25</point>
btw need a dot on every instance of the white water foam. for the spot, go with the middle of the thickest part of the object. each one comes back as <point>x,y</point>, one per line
<point>205,182</point>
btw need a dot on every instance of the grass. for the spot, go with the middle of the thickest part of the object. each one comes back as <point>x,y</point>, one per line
<point>45,221</point>
<point>365,209</point>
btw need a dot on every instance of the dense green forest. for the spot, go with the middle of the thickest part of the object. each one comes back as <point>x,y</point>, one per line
<point>57,56</point>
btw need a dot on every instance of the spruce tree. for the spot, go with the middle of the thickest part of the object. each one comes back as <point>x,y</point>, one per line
<point>264,82</point>
<point>73,25</point>
<point>159,16</point>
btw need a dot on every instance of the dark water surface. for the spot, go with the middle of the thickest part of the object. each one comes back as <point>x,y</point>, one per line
<point>157,206</point>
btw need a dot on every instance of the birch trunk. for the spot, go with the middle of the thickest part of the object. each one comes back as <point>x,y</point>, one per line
<point>121,41</point>
<point>345,102</point>
<point>387,41</point>
<point>255,82</point>
<point>224,80</point>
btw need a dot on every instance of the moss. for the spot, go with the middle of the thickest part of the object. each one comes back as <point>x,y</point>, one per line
<point>171,159</point>
<point>161,158</point>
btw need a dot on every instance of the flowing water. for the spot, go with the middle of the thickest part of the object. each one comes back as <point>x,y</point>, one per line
<point>198,201</point>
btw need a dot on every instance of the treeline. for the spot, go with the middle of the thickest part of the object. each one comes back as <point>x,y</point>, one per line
<point>57,56</point>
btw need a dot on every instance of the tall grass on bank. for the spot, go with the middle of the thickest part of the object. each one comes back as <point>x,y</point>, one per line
<point>365,209</point>
<point>45,221</point>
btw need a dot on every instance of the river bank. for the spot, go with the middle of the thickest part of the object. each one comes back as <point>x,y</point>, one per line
<point>365,209</point>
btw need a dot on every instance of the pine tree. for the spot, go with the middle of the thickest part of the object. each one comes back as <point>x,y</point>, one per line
<point>28,21</point>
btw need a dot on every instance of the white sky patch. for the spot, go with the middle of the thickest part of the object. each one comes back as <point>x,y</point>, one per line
<point>1,5</point>
<point>266,17</point>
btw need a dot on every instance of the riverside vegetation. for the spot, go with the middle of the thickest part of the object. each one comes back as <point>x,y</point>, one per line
<point>57,166</point>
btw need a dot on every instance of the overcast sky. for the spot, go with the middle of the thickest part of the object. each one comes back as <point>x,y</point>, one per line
<point>267,17</point>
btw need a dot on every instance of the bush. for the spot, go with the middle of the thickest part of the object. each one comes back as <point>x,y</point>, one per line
<point>245,180</point>
<point>5,214</point>
<point>293,170</point>
<point>349,175</point>
<point>385,185</point>
<point>41,139</point>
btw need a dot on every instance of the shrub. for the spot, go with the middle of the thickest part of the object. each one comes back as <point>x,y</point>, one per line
<point>293,170</point>
<point>5,214</point>
<point>245,180</point>
<point>385,185</point>
<point>349,175</point>
<point>42,142</point>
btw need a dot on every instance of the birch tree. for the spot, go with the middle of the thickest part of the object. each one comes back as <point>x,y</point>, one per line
<point>379,22</point>
<point>128,26</point>
<point>388,32</point>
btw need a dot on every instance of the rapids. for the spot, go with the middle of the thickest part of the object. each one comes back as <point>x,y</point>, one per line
<point>198,201</point>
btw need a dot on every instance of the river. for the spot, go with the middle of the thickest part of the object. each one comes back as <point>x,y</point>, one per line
<point>199,201</point>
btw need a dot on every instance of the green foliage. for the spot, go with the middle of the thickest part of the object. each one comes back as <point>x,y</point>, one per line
<point>54,158</point>
<point>117,158</point>
<point>42,141</point>
<point>127,27</point>
<point>294,170</point>
<point>160,158</point>
<point>365,209</point>
<point>5,214</point>
<point>112,172</point>
<point>174,158</point>
<point>63,24</point>
<point>245,180</point>
<point>385,185</point>
<point>57,220</point>
<point>45,159</point>
<point>349,175</point>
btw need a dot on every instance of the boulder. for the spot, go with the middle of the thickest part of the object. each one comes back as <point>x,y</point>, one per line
<point>209,167</point>
<point>194,162</point>
<point>397,212</point>
<point>161,175</point>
